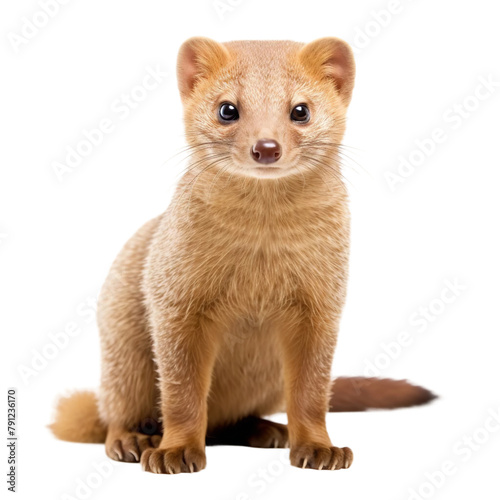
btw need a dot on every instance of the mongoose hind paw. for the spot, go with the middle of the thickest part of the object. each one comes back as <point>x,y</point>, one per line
<point>130,446</point>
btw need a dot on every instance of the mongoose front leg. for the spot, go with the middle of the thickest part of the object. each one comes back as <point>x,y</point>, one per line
<point>185,351</point>
<point>308,346</point>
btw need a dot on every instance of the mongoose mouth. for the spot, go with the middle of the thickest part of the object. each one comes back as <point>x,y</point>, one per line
<point>268,172</point>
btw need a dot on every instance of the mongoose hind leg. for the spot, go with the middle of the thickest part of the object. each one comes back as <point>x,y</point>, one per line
<point>251,431</point>
<point>129,394</point>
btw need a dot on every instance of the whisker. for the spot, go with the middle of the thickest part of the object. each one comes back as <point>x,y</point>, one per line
<point>340,152</point>
<point>193,149</point>
<point>320,162</point>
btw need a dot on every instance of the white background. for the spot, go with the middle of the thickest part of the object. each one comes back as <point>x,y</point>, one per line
<point>58,238</point>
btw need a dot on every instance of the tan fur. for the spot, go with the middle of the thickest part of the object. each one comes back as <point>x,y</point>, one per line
<point>226,307</point>
<point>77,419</point>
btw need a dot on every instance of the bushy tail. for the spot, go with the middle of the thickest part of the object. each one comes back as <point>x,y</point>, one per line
<point>363,393</point>
<point>77,419</point>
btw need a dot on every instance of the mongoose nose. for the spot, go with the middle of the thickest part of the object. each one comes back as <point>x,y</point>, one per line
<point>266,151</point>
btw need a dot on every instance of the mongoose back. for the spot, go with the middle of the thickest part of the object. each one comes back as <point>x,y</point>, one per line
<point>225,308</point>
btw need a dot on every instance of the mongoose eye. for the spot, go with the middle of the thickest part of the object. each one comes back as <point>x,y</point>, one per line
<point>300,114</point>
<point>228,113</point>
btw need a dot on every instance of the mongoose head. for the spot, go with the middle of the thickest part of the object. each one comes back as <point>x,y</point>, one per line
<point>265,109</point>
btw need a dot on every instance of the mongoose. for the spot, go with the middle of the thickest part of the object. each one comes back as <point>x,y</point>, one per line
<point>225,308</point>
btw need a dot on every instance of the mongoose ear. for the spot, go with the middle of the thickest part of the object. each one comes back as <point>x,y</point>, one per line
<point>331,58</point>
<point>198,57</point>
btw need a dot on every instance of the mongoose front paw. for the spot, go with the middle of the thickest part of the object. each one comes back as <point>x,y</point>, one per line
<point>173,460</point>
<point>312,456</point>
<point>130,446</point>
